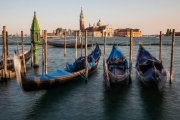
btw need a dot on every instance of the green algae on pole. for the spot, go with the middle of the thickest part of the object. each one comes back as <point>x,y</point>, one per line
<point>35,39</point>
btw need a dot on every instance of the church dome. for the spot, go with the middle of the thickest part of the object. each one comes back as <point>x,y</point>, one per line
<point>99,23</point>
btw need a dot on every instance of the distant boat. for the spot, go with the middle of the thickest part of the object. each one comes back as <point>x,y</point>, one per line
<point>116,69</point>
<point>68,45</point>
<point>72,72</point>
<point>150,70</point>
<point>53,37</point>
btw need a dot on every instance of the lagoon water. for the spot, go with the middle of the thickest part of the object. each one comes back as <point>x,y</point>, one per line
<point>79,100</point>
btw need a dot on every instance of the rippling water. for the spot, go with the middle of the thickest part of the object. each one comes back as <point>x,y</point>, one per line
<point>78,100</point>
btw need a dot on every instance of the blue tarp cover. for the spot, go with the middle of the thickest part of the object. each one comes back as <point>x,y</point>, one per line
<point>79,63</point>
<point>145,58</point>
<point>116,55</point>
<point>55,74</point>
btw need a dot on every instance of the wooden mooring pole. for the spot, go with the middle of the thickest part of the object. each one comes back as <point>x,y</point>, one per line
<point>43,46</point>
<point>86,55</point>
<point>104,62</point>
<point>104,46</point>
<point>7,43</point>
<point>42,34</point>
<point>160,46</point>
<point>32,55</point>
<point>46,54</point>
<point>92,40</point>
<point>130,54</point>
<point>81,42</point>
<point>172,56</point>
<point>79,36</point>
<point>24,64</point>
<point>75,54</point>
<point>4,53</point>
<point>65,43</point>
<point>17,49</point>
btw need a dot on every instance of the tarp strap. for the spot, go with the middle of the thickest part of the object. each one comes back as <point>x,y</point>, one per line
<point>84,77</point>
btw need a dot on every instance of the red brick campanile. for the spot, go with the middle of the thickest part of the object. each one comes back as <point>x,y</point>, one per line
<point>81,20</point>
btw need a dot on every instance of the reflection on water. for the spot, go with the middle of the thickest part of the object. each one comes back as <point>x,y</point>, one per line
<point>152,101</point>
<point>91,100</point>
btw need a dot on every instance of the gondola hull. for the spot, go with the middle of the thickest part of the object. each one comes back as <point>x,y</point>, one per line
<point>152,81</point>
<point>116,70</point>
<point>150,70</point>
<point>70,45</point>
<point>37,84</point>
<point>116,82</point>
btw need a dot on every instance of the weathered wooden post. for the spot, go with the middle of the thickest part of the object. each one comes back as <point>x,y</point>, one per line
<point>4,52</point>
<point>2,44</point>
<point>7,43</point>
<point>86,55</point>
<point>42,34</point>
<point>105,65</point>
<point>160,48</point>
<point>65,43</point>
<point>32,55</point>
<point>130,54</point>
<point>104,46</point>
<point>172,56</point>
<point>81,42</point>
<point>46,54</point>
<point>92,40</point>
<point>80,37</point>
<point>43,46</point>
<point>24,64</point>
<point>75,54</point>
<point>35,40</point>
<point>17,42</point>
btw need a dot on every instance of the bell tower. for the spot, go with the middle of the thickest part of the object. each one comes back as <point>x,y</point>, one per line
<point>81,20</point>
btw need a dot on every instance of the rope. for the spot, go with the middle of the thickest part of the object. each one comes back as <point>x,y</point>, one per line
<point>83,76</point>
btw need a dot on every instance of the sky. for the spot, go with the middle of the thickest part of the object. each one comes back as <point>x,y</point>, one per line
<point>150,16</point>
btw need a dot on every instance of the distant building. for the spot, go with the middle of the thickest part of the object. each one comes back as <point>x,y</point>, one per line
<point>53,35</point>
<point>177,33</point>
<point>98,29</point>
<point>69,32</point>
<point>126,32</point>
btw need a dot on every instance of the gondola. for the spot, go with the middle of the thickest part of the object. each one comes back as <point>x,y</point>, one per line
<point>10,62</point>
<point>69,45</point>
<point>72,72</point>
<point>116,70</point>
<point>150,70</point>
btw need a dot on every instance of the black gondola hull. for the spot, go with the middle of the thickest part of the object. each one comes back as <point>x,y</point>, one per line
<point>32,85</point>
